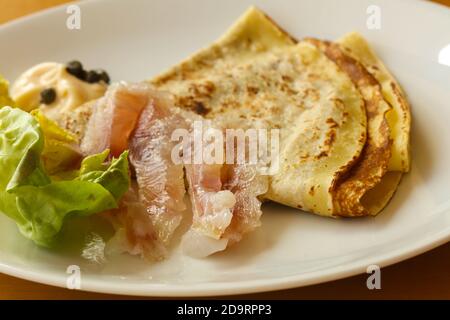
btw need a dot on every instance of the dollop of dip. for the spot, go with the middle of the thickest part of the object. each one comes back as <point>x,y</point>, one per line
<point>71,92</point>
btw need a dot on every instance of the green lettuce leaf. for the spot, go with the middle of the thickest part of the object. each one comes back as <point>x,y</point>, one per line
<point>39,204</point>
<point>43,209</point>
<point>21,144</point>
<point>115,178</point>
<point>60,146</point>
<point>5,99</point>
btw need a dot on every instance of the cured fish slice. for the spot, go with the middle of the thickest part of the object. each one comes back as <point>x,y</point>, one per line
<point>135,233</point>
<point>223,215</point>
<point>212,206</point>
<point>247,185</point>
<point>160,180</point>
<point>114,118</point>
<point>212,210</point>
<point>138,118</point>
<point>225,205</point>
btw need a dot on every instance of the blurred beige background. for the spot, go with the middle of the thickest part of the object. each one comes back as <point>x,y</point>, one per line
<point>424,277</point>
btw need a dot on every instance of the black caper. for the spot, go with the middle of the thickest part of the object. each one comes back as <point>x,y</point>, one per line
<point>48,96</point>
<point>75,68</point>
<point>92,77</point>
<point>103,76</point>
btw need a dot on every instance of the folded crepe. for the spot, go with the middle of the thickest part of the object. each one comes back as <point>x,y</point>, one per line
<point>344,121</point>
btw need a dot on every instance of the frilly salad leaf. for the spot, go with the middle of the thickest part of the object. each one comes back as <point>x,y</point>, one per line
<point>38,204</point>
<point>60,146</point>
<point>113,177</point>
<point>5,99</point>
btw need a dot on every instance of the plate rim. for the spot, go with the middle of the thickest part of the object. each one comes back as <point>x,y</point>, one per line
<point>241,287</point>
<point>225,288</point>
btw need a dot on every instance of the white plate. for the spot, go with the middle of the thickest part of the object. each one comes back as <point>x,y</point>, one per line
<point>137,39</point>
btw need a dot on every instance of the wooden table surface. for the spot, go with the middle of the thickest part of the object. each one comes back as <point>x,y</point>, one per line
<point>424,277</point>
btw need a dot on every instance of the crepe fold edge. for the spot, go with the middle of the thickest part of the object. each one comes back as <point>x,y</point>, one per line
<point>268,35</point>
<point>398,118</point>
<point>368,184</point>
<point>372,165</point>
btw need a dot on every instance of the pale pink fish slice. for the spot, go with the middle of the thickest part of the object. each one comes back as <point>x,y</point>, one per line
<point>114,118</point>
<point>160,180</point>
<point>246,184</point>
<point>135,233</point>
<point>212,206</point>
<point>225,205</point>
<point>211,210</point>
<point>152,210</point>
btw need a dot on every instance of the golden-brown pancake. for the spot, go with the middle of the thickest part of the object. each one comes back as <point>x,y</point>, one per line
<point>374,160</point>
<point>255,76</point>
<point>238,79</point>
